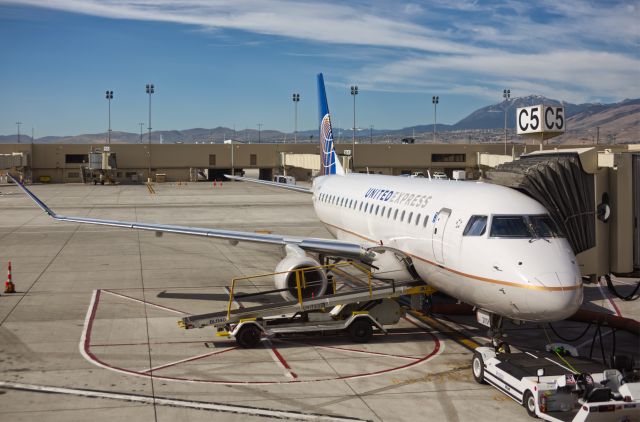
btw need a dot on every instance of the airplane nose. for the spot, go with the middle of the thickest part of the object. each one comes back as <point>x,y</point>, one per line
<point>560,295</point>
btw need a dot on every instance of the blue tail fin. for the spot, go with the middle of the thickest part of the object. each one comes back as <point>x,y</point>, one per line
<point>329,163</point>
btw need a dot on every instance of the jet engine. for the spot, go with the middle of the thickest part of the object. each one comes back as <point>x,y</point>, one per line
<point>313,282</point>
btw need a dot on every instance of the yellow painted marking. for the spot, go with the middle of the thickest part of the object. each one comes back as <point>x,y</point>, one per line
<point>449,332</point>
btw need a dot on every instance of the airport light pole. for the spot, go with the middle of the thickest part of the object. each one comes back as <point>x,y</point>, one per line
<point>435,99</point>
<point>506,94</point>
<point>18,124</point>
<point>141,126</point>
<point>354,92</point>
<point>150,90</point>
<point>259,131</point>
<point>109,97</point>
<point>370,134</point>
<point>296,100</point>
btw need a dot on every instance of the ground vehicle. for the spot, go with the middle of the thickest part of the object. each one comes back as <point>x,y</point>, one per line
<point>287,180</point>
<point>547,387</point>
<point>364,304</point>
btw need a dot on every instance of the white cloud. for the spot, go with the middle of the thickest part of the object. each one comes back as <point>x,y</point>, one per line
<point>570,49</point>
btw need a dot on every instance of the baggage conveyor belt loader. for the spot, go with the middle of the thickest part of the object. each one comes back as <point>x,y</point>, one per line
<point>356,310</point>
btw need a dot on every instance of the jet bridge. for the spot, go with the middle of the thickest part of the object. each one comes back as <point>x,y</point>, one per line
<point>592,195</point>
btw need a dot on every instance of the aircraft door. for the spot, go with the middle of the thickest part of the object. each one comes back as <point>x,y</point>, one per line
<point>437,239</point>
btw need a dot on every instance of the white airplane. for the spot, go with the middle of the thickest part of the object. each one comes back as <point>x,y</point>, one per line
<point>486,245</point>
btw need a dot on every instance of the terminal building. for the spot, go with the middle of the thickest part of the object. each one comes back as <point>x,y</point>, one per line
<point>593,191</point>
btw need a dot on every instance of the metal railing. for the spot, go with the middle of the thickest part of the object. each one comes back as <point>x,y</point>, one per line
<point>301,281</point>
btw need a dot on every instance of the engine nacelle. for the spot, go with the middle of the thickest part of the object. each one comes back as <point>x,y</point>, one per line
<point>315,279</point>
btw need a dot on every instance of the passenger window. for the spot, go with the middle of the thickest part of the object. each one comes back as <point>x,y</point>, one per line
<point>402,216</point>
<point>395,214</point>
<point>377,208</point>
<point>426,220</point>
<point>389,213</point>
<point>410,217</point>
<point>382,212</point>
<point>360,206</point>
<point>417,219</point>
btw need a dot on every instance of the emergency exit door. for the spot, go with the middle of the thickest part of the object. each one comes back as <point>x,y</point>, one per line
<point>439,226</point>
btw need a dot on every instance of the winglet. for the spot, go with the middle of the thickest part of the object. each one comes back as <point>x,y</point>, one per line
<point>35,199</point>
<point>329,163</point>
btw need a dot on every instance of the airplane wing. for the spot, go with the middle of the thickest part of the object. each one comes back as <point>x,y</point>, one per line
<point>268,183</point>
<point>325,246</point>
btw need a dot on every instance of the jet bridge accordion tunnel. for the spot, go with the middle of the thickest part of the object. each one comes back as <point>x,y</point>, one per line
<point>594,198</point>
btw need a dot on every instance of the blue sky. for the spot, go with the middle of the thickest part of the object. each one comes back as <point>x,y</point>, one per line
<point>237,62</point>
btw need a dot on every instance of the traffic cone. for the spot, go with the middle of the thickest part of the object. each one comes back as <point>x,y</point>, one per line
<point>214,183</point>
<point>221,183</point>
<point>9,287</point>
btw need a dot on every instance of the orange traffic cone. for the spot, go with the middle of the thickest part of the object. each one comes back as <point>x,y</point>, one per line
<point>221,183</point>
<point>9,287</point>
<point>214,183</point>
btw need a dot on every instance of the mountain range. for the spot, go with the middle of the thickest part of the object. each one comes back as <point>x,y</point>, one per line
<point>617,122</point>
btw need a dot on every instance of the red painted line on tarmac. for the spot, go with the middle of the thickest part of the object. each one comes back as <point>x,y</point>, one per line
<point>146,302</point>
<point>280,359</point>
<point>85,349</point>
<point>608,296</point>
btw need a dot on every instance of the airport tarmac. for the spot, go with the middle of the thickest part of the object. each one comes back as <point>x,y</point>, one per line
<point>96,308</point>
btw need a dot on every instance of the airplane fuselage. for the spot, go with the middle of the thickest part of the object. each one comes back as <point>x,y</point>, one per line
<point>483,244</point>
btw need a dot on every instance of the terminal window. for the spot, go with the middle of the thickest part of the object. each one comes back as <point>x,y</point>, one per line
<point>448,158</point>
<point>76,158</point>
<point>212,159</point>
<point>253,160</point>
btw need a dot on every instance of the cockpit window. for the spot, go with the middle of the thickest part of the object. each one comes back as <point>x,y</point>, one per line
<point>524,226</point>
<point>544,226</point>
<point>476,226</point>
<point>511,226</point>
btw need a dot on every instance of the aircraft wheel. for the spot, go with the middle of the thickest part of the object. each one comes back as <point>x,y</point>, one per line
<point>249,336</point>
<point>503,347</point>
<point>360,330</point>
<point>477,366</point>
<point>529,403</point>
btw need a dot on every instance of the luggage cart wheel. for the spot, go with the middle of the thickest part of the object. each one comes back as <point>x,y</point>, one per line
<point>248,336</point>
<point>529,403</point>
<point>477,366</point>
<point>360,330</point>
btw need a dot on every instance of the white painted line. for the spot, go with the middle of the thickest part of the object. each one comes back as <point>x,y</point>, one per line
<point>279,360</point>
<point>164,308</point>
<point>608,300</point>
<point>162,401</point>
<point>364,352</point>
<point>589,341</point>
<point>204,355</point>
<point>238,304</point>
<point>560,365</point>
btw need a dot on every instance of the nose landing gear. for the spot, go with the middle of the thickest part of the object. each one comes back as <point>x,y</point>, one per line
<point>498,337</point>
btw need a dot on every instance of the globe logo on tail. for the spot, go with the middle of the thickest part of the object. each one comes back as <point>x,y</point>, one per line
<point>326,143</point>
